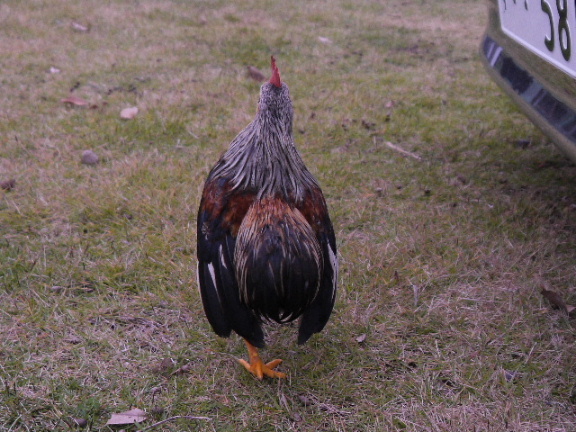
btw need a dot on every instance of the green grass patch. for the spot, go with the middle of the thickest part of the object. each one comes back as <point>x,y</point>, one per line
<point>439,323</point>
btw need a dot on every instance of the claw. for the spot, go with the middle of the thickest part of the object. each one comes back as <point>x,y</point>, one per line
<point>257,367</point>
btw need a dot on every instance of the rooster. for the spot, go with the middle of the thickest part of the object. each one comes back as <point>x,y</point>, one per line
<point>266,246</point>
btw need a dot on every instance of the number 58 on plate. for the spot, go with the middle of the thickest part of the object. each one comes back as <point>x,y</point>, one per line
<point>545,27</point>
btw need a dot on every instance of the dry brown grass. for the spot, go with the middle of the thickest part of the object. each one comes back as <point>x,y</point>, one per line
<point>439,324</point>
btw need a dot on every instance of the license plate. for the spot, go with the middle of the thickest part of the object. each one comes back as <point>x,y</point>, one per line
<point>545,27</point>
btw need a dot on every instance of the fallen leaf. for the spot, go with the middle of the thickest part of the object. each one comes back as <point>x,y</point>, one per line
<point>182,370</point>
<point>510,375</point>
<point>155,390</point>
<point>361,338</point>
<point>80,27</point>
<point>135,415</point>
<point>555,299</point>
<point>89,158</point>
<point>80,422</point>
<point>8,185</point>
<point>74,100</point>
<point>164,366</point>
<point>157,411</point>
<point>255,74</point>
<point>128,113</point>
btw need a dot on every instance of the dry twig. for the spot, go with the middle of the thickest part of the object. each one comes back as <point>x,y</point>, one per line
<point>401,150</point>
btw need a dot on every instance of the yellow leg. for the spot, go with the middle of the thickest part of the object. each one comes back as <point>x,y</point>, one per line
<point>257,367</point>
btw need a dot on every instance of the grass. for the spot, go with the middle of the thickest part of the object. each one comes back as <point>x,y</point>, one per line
<point>439,324</point>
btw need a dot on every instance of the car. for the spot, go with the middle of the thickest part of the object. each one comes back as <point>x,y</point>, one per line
<point>529,50</point>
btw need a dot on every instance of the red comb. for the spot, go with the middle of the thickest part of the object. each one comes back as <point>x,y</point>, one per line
<point>275,79</point>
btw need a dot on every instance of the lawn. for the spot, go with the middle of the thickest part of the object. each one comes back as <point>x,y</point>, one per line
<point>452,213</point>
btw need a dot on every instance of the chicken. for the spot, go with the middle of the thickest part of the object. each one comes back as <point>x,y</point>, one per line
<point>266,246</point>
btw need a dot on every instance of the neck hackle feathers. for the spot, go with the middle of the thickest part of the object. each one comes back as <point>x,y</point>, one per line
<point>275,79</point>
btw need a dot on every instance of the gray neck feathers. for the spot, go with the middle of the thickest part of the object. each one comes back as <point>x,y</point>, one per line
<point>263,158</point>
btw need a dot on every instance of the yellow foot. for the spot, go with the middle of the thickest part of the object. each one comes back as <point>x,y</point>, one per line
<point>257,367</point>
<point>260,369</point>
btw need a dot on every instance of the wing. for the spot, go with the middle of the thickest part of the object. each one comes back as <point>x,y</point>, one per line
<point>316,316</point>
<point>219,217</point>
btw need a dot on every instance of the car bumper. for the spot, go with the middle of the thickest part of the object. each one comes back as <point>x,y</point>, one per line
<point>545,94</point>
